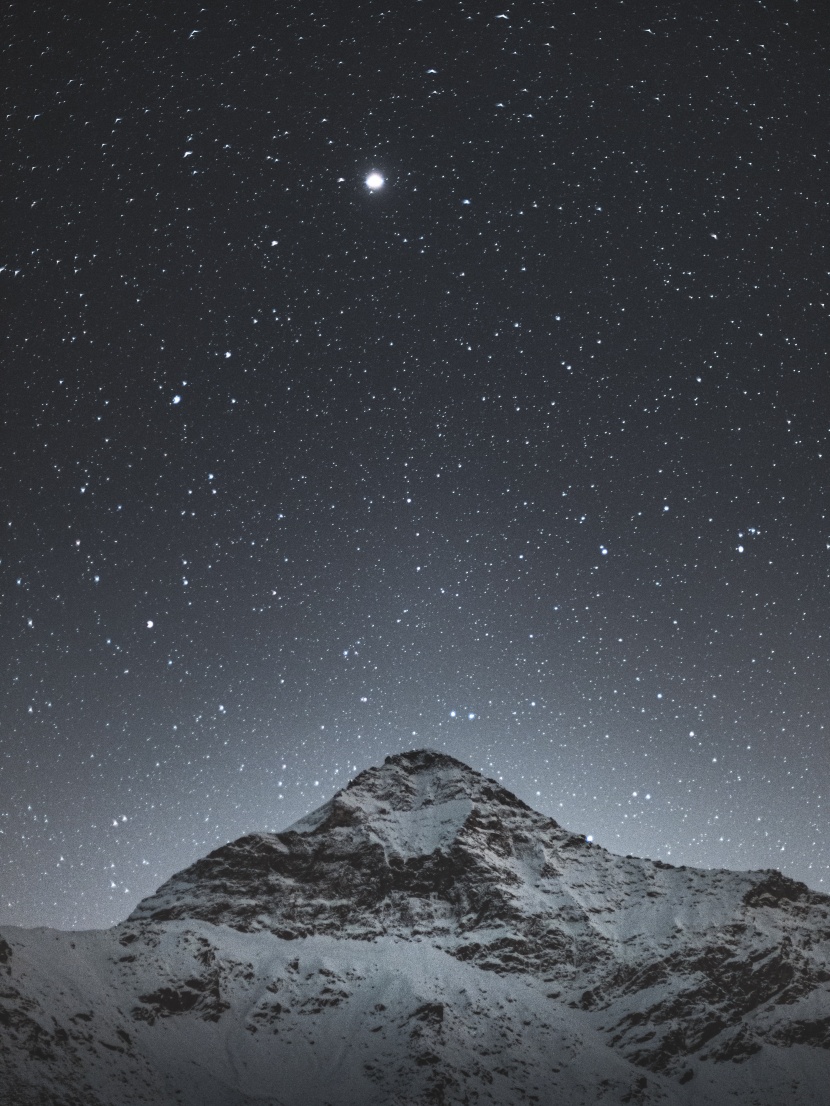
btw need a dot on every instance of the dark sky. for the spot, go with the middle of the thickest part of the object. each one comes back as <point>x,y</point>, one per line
<point>523,455</point>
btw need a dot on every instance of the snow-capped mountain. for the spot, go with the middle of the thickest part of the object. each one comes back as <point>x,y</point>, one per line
<point>425,937</point>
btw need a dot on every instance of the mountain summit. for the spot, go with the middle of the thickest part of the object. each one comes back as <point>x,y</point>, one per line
<point>425,936</point>
<point>412,834</point>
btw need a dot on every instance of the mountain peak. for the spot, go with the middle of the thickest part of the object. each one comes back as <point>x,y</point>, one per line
<point>423,844</point>
<point>417,774</point>
<point>414,803</point>
<point>418,893</point>
<point>407,783</point>
<point>421,777</point>
<point>421,809</point>
<point>427,758</point>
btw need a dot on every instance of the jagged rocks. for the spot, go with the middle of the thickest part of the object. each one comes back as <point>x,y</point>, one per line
<point>426,936</point>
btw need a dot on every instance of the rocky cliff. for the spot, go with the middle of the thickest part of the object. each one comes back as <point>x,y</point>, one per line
<point>426,937</point>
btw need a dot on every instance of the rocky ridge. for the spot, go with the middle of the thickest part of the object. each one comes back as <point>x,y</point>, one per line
<point>462,945</point>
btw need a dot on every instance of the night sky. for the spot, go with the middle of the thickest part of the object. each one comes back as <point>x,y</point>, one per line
<point>521,455</point>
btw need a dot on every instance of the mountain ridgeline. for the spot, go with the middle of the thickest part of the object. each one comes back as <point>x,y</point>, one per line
<point>426,937</point>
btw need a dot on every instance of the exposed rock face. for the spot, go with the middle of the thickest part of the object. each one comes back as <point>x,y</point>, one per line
<point>427,937</point>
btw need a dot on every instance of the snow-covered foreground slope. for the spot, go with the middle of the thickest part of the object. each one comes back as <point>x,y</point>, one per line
<point>427,938</point>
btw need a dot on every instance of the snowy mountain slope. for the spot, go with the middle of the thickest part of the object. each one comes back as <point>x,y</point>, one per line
<point>427,937</point>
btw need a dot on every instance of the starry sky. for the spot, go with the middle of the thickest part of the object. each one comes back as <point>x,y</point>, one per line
<point>519,452</point>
